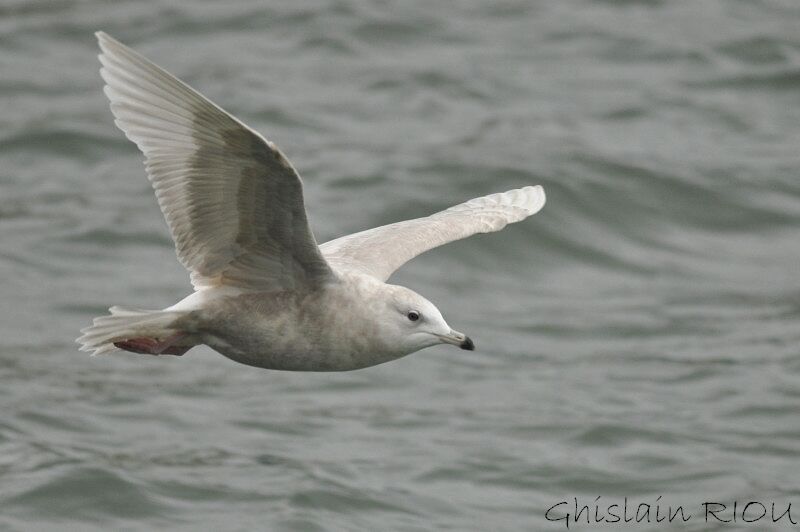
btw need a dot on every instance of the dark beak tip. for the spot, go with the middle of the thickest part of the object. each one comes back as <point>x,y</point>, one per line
<point>468,344</point>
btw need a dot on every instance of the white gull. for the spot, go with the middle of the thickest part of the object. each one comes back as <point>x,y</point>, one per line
<point>265,294</point>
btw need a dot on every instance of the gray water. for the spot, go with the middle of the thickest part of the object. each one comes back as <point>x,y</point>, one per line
<point>638,338</point>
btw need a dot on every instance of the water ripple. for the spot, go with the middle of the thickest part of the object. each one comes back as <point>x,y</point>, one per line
<point>636,338</point>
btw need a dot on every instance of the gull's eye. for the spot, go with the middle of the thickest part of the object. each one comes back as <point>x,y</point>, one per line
<point>413,315</point>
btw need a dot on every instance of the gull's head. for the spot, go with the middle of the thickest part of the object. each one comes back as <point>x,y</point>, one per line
<point>411,322</point>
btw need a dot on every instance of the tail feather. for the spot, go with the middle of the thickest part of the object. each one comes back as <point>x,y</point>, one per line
<point>124,323</point>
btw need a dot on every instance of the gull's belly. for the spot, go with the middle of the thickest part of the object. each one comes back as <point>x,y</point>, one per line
<point>278,352</point>
<point>286,343</point>
<point>279,332</point>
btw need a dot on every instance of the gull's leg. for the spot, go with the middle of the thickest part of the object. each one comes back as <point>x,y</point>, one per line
<point>152,346</point>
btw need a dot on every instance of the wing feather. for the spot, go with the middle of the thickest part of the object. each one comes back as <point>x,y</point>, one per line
<point>380,251</point>
<point>233,202</point>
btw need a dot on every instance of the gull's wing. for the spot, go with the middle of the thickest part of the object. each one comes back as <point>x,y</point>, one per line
<point>382,250</point>
<point>233,202</point>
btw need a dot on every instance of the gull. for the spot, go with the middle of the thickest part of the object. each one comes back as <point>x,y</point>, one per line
<point>265,294</point>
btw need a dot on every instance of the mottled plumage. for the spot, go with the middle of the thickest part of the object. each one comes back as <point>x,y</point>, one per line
<point>265,294</point>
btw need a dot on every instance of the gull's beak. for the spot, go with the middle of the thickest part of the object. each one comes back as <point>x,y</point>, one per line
<point>460,339</point>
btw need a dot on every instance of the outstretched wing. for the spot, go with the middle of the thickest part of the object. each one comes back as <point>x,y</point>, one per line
<point>382,250</point>
<point>233,202</point>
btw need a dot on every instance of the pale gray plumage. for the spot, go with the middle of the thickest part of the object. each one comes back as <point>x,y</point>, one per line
<point>233,202</point>
<point>380,251</point>
<point>265,294</point>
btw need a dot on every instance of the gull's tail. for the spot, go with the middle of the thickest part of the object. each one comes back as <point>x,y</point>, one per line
<point>141,331</point>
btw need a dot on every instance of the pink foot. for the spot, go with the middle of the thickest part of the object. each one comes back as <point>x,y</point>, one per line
<point>151,346</point>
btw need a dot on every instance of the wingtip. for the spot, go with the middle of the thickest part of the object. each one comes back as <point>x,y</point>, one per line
<point>106,42</point>
<point>102,39</point>
<point>536,198</point>
<point>539,189</point>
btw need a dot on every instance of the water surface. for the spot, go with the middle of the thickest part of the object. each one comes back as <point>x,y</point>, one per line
<point>638,338</point>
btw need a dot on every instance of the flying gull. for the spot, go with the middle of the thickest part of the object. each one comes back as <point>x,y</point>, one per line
<point>265,294</point>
